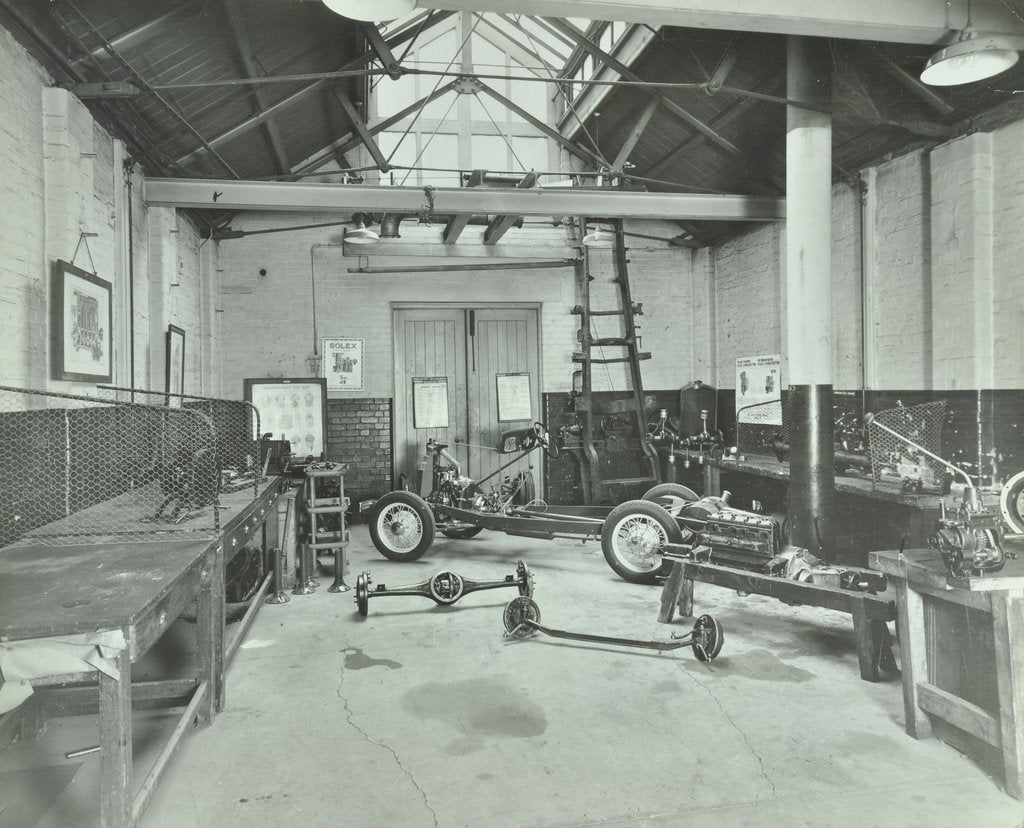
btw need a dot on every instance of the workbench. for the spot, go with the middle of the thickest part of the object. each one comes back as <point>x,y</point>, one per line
<point>962,655</point>
<point>868,516</point>
<point>131,592</point>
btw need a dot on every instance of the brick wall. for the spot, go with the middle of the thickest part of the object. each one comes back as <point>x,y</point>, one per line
<point>359,433</point>
<point>948,242</point>
<point>63,176</point>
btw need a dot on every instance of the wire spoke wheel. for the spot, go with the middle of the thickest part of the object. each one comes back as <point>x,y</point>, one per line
<point>402,526</point>
<point>633,539</point>
<point>399,527</point>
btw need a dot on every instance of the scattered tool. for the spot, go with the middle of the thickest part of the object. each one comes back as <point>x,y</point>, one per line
<point>522,620</point>
<point>444,588</point>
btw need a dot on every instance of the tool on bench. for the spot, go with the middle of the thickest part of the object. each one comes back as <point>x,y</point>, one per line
<point>444,588</point>
<point>522,620</point>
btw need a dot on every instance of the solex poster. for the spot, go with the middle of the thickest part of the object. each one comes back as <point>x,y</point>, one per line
<point>343,363</point>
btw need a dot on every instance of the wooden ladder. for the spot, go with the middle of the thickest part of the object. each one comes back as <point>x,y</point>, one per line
<point>594,487</point>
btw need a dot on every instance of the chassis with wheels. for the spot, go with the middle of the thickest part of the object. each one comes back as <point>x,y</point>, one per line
<point>403,524</point>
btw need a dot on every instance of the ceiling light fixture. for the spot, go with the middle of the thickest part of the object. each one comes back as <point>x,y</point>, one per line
<point>972,57</point>
<point>362,234</point>
<point>599,238</point>
<point>373,10</point>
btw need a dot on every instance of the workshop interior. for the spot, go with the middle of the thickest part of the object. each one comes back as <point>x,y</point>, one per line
<point>689,335</point>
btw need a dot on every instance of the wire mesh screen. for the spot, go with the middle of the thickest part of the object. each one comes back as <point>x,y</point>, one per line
<point>894,459</point>
<point>759,424</point>
<point>236,425</point>
<point>81,469</point>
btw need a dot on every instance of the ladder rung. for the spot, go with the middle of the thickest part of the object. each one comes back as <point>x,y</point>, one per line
<point>612,340</point>
<point>607,313</point>
<point>580,357</point>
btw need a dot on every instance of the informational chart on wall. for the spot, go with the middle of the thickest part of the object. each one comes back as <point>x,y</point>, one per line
<point>343,363</point>
<point>430,402</point>
<point>514,399</point>
<point>293,410</point>
<point>759,389</point>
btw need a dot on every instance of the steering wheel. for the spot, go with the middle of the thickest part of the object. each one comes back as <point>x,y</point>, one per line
<point>544,438</point>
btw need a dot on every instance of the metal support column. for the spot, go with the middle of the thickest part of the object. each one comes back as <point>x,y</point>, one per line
<point>809,296</point>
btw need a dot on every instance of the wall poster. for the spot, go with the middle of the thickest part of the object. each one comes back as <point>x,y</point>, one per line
<point>514,399</point>
<point>343,363</point>
<point>81,325</point>
<point>293,410</point>
<point>430,402</point>
<point>759,383</point>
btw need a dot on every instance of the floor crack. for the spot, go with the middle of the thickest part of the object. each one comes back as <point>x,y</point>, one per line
<point>366,736</point>
<point>736,727</point>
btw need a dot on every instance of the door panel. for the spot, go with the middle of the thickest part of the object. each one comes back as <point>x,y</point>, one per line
<point>504,341</point>
<point>429,342</point>
<point>469,346</point>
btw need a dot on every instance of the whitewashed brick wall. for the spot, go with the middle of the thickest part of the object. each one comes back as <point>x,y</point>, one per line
<point>63,177</point>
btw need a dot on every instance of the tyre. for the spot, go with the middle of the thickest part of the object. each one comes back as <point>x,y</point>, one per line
<point>526,488</point>
<point>672,496</point>
<point>633,537</point>
<point>402,526</point>
<point>462,533</point>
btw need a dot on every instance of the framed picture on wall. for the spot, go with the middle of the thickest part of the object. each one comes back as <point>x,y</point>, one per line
<point>81,325</point>
<point>343,363</point>
<point>175,365</point>
<point>293,410</point>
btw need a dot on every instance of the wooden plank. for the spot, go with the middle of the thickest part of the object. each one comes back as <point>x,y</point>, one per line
<point>242,627</point>
<point>116,744</point>
<point>958,712</point>
<point>206,622</point>
<point>83,699</point>
<point>913,657</point>
<point>467,249</point>
<point>191,712</point>
<point>670,592</point>
<point>217,628</point>
<point>1008,630</point>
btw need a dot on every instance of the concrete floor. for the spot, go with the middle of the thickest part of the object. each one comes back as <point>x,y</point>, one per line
<point>426,716</point>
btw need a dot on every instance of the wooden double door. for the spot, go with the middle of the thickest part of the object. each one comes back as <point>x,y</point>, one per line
<point>449,362</point>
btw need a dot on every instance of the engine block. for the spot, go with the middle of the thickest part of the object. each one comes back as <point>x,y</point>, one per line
<point>740,539</point>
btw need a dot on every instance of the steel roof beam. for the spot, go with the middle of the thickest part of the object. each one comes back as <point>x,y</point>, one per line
<point>349,141</point>
<point>137,35</point>
<point>905,79</point>
<point>598,202</point>
<point>533,120</point>
<point>240,33</point>
<point>634,136</point>
<point>906,21</point>
<point>500,225</point>
<point>361,130</point>
<point>275,109</point>
<point>671,106</point>
<point>382,50</point>
<point>456,224</point>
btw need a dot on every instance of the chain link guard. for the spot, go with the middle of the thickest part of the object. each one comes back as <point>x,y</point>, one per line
<point>517,612</point>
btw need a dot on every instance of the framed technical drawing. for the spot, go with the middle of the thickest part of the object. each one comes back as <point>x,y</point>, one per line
<point>175,365</point>
<point>293,410</point>
<point>80,325</point>
<point>514,400</point>
<point>343,363</point>
<point>430,402</point>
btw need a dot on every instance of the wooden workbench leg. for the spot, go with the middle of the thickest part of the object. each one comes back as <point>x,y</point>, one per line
<point>1008,628</point>
<point>670,593</point>
<point>116,744</point>
<point>217,601</point>
<point>864,635</point>
<point>686,598</point>
<point>206,670</point>
<point>913,658</point>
